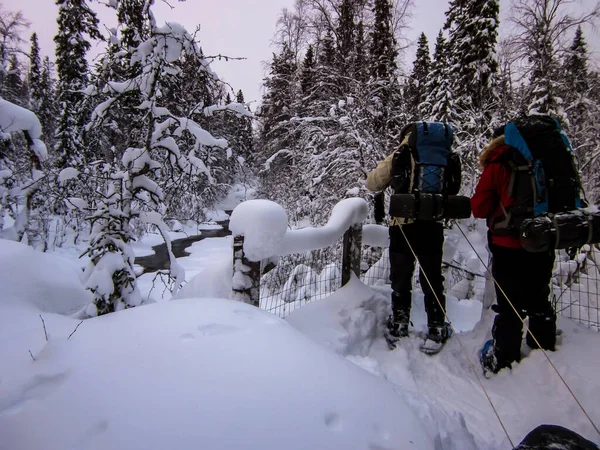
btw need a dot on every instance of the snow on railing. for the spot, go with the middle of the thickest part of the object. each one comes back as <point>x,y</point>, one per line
<point>261,234</point>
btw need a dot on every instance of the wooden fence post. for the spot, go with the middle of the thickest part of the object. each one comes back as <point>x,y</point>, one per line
<point>352,252</point>
<point>246,275</point>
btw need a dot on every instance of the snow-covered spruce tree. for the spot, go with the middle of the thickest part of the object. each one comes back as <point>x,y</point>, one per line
<point>382,58</point>
<point>242,136</point>
<point>541,28</point>
<point>582,111</point>
<point>415,89</point>
<point>14,90</point>
<point>473,30</point>
<point>439,105</point>
<point>46,106</point>
<point>21,172</point>
<point>34,77</point>
<point>162,147</point>
<point>279,155</point>
<point>473,33</point>
<point>77,26</point>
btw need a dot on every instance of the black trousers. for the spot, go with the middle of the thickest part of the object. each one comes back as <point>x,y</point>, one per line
<point>427,240</point>
<point>525,279</point>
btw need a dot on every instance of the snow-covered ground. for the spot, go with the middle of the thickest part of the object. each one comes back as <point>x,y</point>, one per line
<point>204,372</point>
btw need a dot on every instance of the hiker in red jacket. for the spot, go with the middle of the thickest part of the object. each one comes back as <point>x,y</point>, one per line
<point>521,276</point>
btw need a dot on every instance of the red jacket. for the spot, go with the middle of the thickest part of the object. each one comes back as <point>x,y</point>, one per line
<point>492,190</point>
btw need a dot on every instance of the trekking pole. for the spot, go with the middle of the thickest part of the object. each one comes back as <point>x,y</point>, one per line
<point>464,350</point>
<point>530,333</point>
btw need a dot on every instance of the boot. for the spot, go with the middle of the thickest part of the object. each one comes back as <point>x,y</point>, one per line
<point>436,339</point>
<point>394,331</point>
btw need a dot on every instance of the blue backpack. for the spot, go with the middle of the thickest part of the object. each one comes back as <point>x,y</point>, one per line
<point>426,164</point>
<point>544,178</point>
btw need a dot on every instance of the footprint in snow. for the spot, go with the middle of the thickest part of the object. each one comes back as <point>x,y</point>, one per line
<point>333,421</point>
<point>217,329</point>
<point>38,388</point>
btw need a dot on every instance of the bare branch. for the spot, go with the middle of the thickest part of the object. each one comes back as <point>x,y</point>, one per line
<point>44,324</point>
<point>74,330</point>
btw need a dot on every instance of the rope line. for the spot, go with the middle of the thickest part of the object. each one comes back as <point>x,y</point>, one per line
<point>473,368</point>
<point>529,331</point>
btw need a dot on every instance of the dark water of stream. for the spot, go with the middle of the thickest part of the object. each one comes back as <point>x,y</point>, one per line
<point>160,259</point>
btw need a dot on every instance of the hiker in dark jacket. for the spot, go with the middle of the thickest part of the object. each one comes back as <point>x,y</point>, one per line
<point>522,277</point>
<point>427,240</point>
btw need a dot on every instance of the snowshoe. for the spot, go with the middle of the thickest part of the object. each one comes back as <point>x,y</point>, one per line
<point>436,339</point>
<point>394,331</point>
<point>487,358</point>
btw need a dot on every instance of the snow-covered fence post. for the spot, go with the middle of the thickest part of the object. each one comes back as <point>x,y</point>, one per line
<point>246,275</point>
<point>258,228</point>
<point>352,252</point>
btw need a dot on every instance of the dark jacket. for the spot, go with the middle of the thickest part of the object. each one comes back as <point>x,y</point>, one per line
<point>491,192</point>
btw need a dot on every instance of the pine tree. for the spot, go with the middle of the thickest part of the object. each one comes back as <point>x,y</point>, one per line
<point>575,71</point>
<point>473,33</point>
<point>440,101</point>
<point>346,40</point>
<point>281,90</point>
<point>13,85</point>
<point>77,25</point>
<point>132,17</point>
<point>361,70</point>
<point>308,75</point>
<point>47,108</point>
<point>35,73</point>
<point>582,112</point>
<point>416,93</point>
<point>383,55</point>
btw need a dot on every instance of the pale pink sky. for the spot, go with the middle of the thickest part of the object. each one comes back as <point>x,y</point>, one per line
<point>228,27</point>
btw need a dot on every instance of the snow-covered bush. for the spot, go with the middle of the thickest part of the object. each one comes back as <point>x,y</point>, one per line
<point>21,174</point>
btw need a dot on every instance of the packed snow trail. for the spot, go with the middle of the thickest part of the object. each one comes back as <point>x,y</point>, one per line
<point>350,322</point>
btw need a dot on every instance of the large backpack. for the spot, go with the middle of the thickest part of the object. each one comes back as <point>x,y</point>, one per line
<point>544,178</point>
<point>426,175</point>
<point>422,166</point>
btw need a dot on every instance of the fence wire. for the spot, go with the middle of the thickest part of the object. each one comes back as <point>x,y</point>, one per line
<point>575,286</point>
<point>301,278</point>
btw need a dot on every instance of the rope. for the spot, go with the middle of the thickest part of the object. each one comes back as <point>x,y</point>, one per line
<point>530,333</point>
<point>473,368</point>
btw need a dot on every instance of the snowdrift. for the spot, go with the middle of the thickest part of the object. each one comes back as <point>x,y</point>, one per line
<point>198,374</point>
<point>42,281</point>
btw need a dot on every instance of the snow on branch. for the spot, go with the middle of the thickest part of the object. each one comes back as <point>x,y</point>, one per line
<point>16,118</point>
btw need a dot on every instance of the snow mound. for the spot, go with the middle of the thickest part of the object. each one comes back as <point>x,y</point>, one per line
<point>190,374</point>
<point>42,281</point>
<point>263,223</point>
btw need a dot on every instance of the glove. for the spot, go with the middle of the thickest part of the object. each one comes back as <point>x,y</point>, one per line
<point>379,207</point>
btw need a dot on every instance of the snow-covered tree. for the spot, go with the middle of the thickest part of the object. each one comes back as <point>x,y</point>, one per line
<point>162,148</point>
<point>542,26</point>
<point>77,26</point>
<point>21,172</point>
<point>12,25</point>
<point>473,31</point>
<point>439,105</point>
<point>46,106</point>
<point>415,90</point>
<point>35,73</point>
<point>382,56</point>
<point>582,111</point>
